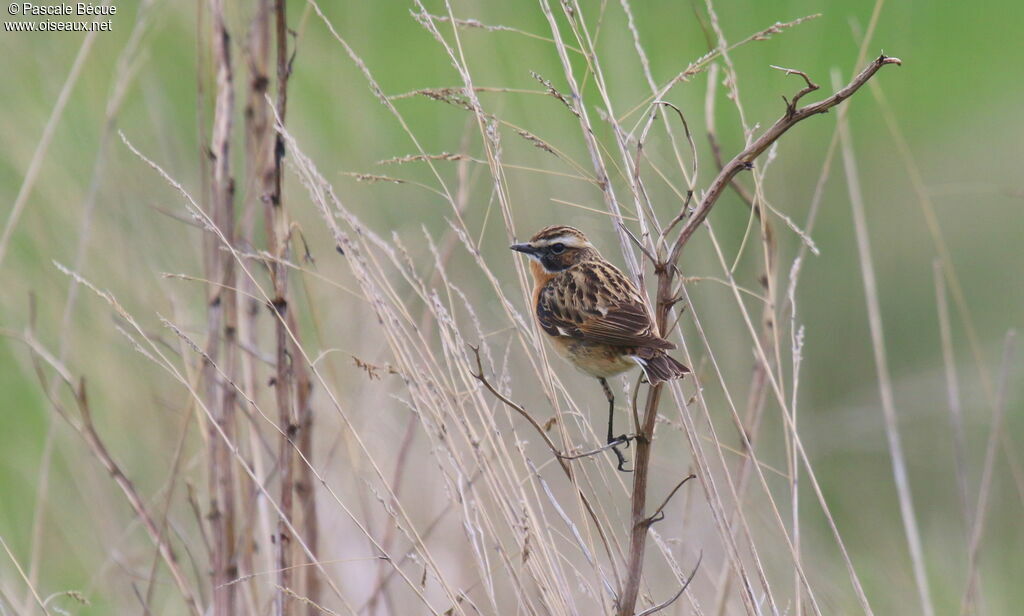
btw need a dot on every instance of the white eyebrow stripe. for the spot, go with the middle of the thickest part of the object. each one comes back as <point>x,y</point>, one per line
<point>571,241</point>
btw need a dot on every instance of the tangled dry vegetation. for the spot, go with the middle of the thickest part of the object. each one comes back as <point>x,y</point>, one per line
<point>527,525</point>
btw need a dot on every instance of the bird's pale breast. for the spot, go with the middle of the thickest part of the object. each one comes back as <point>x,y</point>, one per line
<point>597,360</point>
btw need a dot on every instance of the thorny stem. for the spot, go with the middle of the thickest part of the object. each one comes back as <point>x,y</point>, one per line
<point>666,272</point>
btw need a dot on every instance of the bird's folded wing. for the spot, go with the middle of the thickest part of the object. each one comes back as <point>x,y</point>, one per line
<point>624,325</point>
<point>609,312</point>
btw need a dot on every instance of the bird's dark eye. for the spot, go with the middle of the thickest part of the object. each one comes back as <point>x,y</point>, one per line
<point>558,248</point>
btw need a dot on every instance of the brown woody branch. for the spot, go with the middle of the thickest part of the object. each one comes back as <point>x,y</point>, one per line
<point>745,159</point>
<point>666,271</point>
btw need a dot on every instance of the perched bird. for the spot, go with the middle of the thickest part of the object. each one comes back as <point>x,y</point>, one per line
<point>594,315</point>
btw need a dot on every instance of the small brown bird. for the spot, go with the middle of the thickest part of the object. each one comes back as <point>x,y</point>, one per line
<point>594,315</point>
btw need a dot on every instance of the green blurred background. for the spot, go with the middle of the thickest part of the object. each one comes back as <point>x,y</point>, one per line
<point>957,99</point>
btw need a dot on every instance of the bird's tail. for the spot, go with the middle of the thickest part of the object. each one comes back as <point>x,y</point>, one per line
<point>663,367</point>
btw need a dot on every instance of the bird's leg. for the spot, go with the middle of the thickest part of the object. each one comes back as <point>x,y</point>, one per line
<point>611,410</point>
<point>612,439</point>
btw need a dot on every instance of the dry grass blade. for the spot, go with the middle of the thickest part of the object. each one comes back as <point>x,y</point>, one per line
<point>151,350</point>
<point>21,572</point>
<point>666,296</point>
<point>702,63</point>
<point>952,391</point>
<point>459,470</point>
<point>590,139</point>
<point>87,430</point>
<point>996,431</point>
<point>898,457</point>
<point>945,257</point>
<point>32,174</point>
<point>124,72</point>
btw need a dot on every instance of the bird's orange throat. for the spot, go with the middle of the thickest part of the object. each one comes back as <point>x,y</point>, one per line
<point>540,278</point>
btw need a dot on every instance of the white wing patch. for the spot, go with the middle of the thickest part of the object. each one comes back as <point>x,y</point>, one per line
<point>643,365</point>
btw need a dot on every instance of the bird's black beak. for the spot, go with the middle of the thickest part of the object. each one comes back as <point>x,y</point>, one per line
<point>523,248</point>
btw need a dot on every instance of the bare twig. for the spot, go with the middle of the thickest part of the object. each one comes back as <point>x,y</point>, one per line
<point>478,375</point>
<point>744,160</point>
<point>810,87</point>
<point>592,452</point>
<point>660,511</point>
<point>87,430</point>
<point>665,300</point>
<point>686,584</point>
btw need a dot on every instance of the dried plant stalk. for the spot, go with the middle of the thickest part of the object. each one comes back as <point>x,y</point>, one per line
<point>666,299</point>
<point>222,327</point>
<point>527,513</point>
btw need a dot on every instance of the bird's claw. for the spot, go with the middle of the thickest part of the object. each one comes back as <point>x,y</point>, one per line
<point>622,439</point>
<point>622,461</point>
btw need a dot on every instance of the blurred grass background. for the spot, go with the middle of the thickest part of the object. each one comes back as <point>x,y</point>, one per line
<point>957,99</point>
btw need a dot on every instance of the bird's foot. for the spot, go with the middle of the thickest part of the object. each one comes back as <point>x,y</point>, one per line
<point>613,444</point>
<point>622,460</point>
<point>622,439</point>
